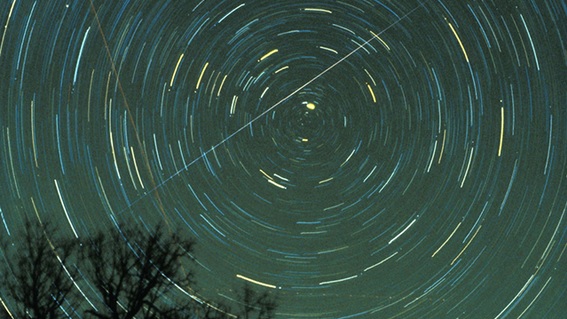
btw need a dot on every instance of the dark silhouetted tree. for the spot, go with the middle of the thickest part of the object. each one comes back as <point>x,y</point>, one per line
<point>251,305</point>
<point>135,272</point>
<point>256,305</point>
<point>35,274</point>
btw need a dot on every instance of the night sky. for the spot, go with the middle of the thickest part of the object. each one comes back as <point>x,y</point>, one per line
<point>394,159</point>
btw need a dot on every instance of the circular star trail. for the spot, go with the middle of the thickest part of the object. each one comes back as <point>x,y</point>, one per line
<point>359,158</point>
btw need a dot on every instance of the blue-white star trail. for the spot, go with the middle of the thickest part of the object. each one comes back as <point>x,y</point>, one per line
<point>362,159</point>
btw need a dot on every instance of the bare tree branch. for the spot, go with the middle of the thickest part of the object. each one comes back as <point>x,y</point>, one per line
<point>35,275</point>
<point>134,271</point>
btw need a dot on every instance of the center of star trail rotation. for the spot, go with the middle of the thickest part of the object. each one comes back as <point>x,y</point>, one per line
<point>370,159</point>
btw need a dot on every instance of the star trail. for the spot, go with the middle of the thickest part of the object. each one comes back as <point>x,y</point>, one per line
<point>362,159</point>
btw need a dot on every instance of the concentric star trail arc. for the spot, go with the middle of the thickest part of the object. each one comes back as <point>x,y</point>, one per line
<point>361,158</point>
<point>374,37</point>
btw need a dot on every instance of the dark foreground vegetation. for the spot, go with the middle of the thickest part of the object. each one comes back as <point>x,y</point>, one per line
<point>120,273</point>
